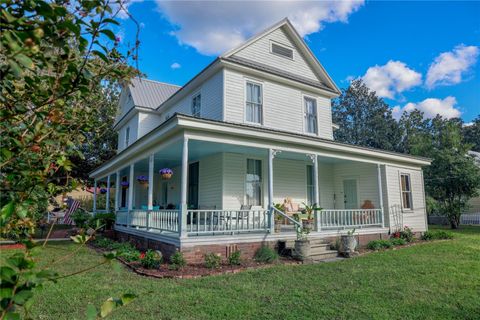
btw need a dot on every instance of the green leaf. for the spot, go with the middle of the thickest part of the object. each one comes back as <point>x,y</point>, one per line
<point>22,296</point>
<point>12,316</point>
<point>91,312</point>
<point>24,60</point>
<point>100,55</point>
<point>107,307</point>
<point>7,274</point>
<point>108,33</point>
<point>108,20</point>
<point>6,293</point>
<point>127,298</point>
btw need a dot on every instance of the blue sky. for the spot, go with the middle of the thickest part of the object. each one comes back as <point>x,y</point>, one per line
<point>422,55</point>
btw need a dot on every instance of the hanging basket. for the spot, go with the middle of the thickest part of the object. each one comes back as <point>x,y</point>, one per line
<point>124,184</point>
<point>143,180</point>
<point>103,190</point>
<point>166,173</point>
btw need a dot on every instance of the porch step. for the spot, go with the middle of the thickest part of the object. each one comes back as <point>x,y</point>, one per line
<point>319,250</point>
<point>329,254</point>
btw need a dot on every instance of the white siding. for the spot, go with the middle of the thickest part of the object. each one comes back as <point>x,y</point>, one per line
<point>133,125</point>
<point>289,180</point>
<point>367,182</point>
<point>326,185</point>
<point>233,180</point>
<point>147,122</point>
<point>211,102</point>
<point>416,218</point>
<point>259,51</point>
<point>210,181</point>
<point>283,106</point>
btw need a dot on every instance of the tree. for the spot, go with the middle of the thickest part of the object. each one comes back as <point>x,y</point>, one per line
<point>453,177</point>
<point>56,59</point>
<point>471,134</point>
<point>415,132</point>
<point>364,119</point>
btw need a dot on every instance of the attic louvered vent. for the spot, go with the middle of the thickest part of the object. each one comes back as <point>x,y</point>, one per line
<point>281,50</point>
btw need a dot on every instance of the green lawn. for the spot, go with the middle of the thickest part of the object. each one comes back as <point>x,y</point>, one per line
<point>437,280</point>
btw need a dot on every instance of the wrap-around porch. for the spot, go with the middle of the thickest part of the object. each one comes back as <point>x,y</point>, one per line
<point>221,189</point>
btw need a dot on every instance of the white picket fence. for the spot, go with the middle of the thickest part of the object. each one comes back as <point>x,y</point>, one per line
<point>470,218</point>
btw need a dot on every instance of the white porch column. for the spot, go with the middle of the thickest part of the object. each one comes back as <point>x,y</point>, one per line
<point>94,196</point>
<point>130,187</point>
<point>107,197</point>
<point>380,192</point>
<point>150,182</point>
<point>316,191</point>
<point>182,219</point>
<point>117,189</point>
<point>271,155</point>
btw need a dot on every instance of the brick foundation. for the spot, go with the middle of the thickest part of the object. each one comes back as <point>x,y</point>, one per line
<point>195,254</point>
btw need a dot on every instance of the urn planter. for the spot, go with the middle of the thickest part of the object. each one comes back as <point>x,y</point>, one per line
<point>302,249</point>
<point>348,244</point>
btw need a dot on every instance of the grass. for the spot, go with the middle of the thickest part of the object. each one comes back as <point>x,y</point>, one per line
<point>432,280</point>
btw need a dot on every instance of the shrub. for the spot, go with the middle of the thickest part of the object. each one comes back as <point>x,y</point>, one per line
<point>379,244</point>
<point>397,241</point>
<point>103,242</point>
<point>437,235</point>
<point>150,259</point>
<point>80,218</point>
<point>235,258</point>
<point>212,260</point>
<point>266,255</point>
<point>103,219</point>
<point>407,234</point>
<point>130,255</point>
<point>177,261</point>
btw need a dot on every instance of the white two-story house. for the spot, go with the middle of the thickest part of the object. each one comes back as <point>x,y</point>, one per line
<point>250,130</point>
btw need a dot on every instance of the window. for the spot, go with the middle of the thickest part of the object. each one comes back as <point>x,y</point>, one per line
<point>282,50</point>
<point>196,105</point>
<point>406,187</point>
<point>127,136</point>
<point>253,185</point>
<point>254,103</point>
<point>310,186</point>
<point>193,171</point>
<point>310,115</point>
<point>123,203</point>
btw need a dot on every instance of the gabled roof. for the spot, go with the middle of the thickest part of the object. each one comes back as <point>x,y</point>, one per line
<point>150,94</point>
<point>301,46</point>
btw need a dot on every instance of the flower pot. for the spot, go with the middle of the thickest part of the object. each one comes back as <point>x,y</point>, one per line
<point>348,244</point>
<point>307,224</point>
<point>166,176</point>
<point>302,249</point>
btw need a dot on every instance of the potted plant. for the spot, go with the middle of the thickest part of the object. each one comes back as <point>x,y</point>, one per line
<point>348,243</point>
<point>278,218</point>
<point>309,210</point>
<point>302,244</point>
<point>124,184</point>
<point>166,173</point>
<point>142,180</point>
<point>103,190</point>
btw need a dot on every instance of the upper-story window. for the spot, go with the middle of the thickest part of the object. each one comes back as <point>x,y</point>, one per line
<point>127,136</point>
<point>406,187</point>
<point>253,105</point>
<point>196,105</point>
<point>310,115</point>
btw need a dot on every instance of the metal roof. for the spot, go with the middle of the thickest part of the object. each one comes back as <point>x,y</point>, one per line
<point>150,94</point>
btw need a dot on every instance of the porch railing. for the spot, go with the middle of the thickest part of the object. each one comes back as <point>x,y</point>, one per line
<point>160,220</point>
<point>349,218</point>
<point>204,222</point>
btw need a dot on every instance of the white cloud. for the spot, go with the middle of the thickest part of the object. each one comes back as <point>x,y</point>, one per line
<point>213,27</point>
<point>449,67</point>
<point>391,78</point>
<point>175,65</point>
<point>123,9</point>
<point>431,107</point>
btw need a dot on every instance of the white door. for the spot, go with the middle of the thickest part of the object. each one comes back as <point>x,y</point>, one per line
<point>350,194</point>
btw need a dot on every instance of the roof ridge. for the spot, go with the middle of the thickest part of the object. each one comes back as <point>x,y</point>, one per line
<point>160,82</point>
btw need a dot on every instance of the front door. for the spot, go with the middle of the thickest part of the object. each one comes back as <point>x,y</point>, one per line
<point>350,194</point>
<point>193,171</point>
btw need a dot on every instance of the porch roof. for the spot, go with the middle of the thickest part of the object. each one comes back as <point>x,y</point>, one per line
<point>181,123</point>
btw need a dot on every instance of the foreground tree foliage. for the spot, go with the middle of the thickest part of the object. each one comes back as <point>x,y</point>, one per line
<point>57,60</point>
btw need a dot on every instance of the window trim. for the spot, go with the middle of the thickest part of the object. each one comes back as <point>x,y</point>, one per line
<point>411,209</point>
<point>193,96</point>
<point>127,137</point>
<point>262,180</point>
<point>259,83</point>
<point>307,96</point>
<point>284,46</point>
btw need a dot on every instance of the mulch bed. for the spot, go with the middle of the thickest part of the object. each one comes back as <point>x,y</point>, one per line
<point>12,246</point>
<point>191,271</point>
